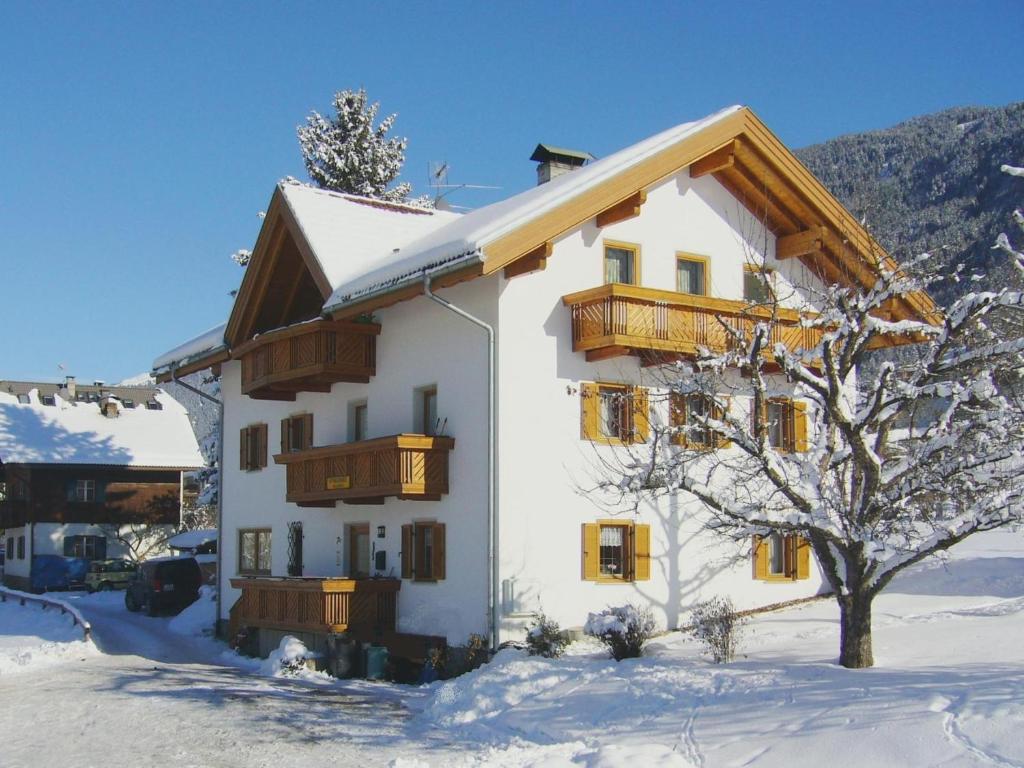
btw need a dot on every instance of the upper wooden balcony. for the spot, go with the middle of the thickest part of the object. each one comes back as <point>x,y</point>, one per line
<point>308,357</point>
<point>618,319</point>
<point>368,471</point>
<point>362,606</point>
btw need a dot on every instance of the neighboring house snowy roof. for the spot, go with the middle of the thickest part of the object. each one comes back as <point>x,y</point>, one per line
<point>200,346</point>
<point>192,539</point>
<point>78,433</point>
<point>466,238</point>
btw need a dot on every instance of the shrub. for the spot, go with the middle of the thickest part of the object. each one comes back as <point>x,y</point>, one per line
<point>624,630</point>
<point>718,628</point>
<point>545,638</point>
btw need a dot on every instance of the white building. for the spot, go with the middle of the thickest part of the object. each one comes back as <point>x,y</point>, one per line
<point>360,406</point>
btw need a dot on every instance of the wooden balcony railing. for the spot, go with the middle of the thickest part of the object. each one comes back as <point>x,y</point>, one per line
<point>363,606</point>
<point>406,466</point>
<point>308,357</point>
<point>619,319</point>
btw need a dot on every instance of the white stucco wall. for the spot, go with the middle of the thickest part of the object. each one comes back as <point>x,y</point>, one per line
<point>12,565</point>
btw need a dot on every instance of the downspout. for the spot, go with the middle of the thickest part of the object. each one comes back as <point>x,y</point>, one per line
<point>220,475</point>
<point>492,499</point>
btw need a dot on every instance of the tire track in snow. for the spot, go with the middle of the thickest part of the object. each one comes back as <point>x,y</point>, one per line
<point>955,735</point>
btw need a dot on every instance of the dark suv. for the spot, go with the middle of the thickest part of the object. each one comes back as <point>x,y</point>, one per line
<point>162,583</point>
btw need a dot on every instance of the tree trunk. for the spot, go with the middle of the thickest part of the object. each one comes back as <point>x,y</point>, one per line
<point>855,631</point>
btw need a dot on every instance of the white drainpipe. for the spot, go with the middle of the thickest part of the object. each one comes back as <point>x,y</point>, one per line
<point>492,499</point>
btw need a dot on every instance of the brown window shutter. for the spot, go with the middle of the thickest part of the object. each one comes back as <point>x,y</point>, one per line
<point>590,412</point>
<point>760,552</point>
<point>803,558</point>
<point>407,551</point>
<point>677,416</point>
<point>591,551</point>
<point>641,415</point>
<point>261,445</point>
<point>789,552</point>
<point>243,445</point>
<point>439,557</point>
<point>286,435</point>
<point>799,425</point>
<point>307,431</point>
<point>642,552</point>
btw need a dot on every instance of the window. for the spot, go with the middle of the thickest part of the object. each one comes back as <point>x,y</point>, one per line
<point>757,287</point>
<point>21,547</point>
<point>154,405</point>
<point>254,551</point>
<point>423,551</point>
<point>297,433</point>
<point>9,551</point>
<point>49,399</point>
<point>252,447</point>
<point>691,275</point>
<point>23,398</point>
<point>128,403</point>
<point>687,410</point>
<point>358,414</point>
<point>786,423</point>
<point>3,491</point>
<point>426,411</point>
<point>615,414</point>
<point>295,549</point>
<point>614,550</point>
<point>781,557</point>
<point>88,547</point>
<point>621,263</point>
<point>85,490</point>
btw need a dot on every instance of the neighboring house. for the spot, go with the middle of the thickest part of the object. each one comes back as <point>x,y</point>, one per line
<point>85,469</point>
<point>358,406</point>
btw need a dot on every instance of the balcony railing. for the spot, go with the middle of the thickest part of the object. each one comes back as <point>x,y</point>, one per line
<point>308,357</point>
<point>619,319</point>
<point>362,606</point>
<point>365,472</point>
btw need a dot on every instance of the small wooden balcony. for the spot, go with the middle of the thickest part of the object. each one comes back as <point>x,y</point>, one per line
<point>366,472</point>
<point>617,319</point>
<point>308,357</point>
<point>365,607</point>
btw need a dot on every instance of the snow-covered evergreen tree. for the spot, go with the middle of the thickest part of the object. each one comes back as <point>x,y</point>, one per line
<point>348,153</point>
<point>902,460</point>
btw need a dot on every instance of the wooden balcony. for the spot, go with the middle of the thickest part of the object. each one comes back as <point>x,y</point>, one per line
<point>366,607</point>
<point>405,466</point>
<point>308,357</point>
<point>618,319</point>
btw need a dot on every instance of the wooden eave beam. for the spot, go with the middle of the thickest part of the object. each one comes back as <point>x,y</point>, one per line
<point>807,241</point>
<point>719,160</point>
<point>622,211</point>
<point>761,204</point>
<point>534,261</point>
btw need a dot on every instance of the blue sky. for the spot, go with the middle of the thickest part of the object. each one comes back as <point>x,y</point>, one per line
<point>139,140</point>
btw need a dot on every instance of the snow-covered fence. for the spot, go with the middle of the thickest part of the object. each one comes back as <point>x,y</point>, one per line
<point>48,602</point>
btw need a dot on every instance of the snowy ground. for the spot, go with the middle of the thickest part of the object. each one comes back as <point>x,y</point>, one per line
<point>948,690</point>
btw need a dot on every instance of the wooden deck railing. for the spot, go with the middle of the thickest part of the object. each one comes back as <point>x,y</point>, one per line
<point>308,357</point>
<point>406,466</point>
<point>363,606</point>
<point>617,319</point>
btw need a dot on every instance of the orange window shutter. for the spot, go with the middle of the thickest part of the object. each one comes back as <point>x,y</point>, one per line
<point>286,435</point>
<point>590,411</point>
<point>760,552</point>
<point>642,550</point>
<point>591,551</point>
<point>439,557</point>
<point>307,431</point>
<point>641,415</point>
<point>243,444</point>
<point>803,558</point>
<point>407,551</point>
<point>261,446</point>
<point>789,552</point>
<point>799,425</point>
<point>677,416</point>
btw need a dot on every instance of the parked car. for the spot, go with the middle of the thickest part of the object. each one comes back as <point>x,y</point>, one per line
<point>164,583</point>
<point>109,574</point>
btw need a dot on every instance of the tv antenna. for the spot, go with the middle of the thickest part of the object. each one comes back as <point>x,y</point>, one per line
<point>437,178</point>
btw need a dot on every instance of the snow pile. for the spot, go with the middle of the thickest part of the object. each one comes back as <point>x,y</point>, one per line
<point>289,660</point>
<point>32,638</point>
<point>197,619</point>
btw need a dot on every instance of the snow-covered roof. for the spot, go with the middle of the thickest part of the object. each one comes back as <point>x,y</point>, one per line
<point>192,539</point>
<point>465,238</point>
<point>351,235</point>
<point>201,345</point>
<point>78,433</point>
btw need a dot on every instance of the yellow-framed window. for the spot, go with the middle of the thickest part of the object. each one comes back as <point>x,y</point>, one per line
<point>690,410</point>
<point>785,420</point>
<point>781,557</point>
<point>616,551</point>
<point>614,414</point>
<point>758,284</point>
<point>692,274</point>
<point>621,262</point>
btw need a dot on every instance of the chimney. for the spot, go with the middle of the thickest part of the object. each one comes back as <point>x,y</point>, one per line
<point>69,385</point>
<point>109,407</point>
<point>555,161</point>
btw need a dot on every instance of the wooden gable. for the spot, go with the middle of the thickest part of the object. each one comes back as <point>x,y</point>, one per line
<point>283,283</point>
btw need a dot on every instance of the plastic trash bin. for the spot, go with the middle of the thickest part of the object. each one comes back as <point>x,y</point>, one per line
<point>376,662</point>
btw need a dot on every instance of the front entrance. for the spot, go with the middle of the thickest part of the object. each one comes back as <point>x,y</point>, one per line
<point>359,551</point>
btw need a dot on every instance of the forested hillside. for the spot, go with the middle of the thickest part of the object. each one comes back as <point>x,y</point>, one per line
<point>933,184</point>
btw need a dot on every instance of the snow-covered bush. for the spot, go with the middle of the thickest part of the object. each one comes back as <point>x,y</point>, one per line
<point>718,628</point>
<point>624,629</point>
<point>289,660</point>
<point>545,638</point>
